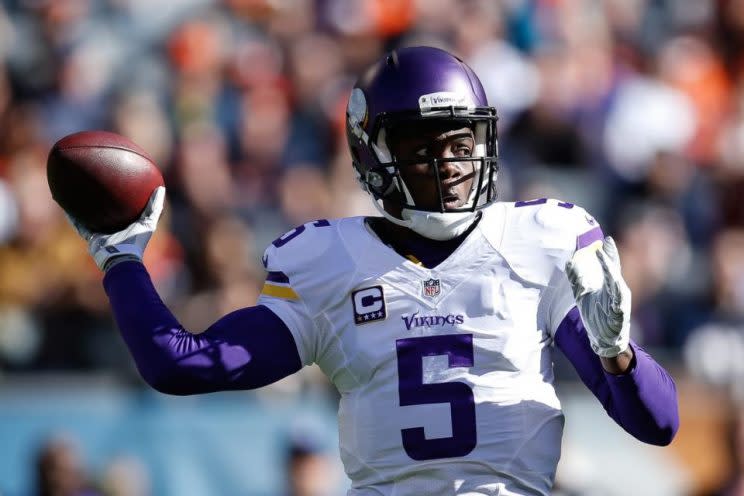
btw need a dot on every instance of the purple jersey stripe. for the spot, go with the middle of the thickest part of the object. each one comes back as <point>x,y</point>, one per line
<point>589,237</point>
<point>527,203</point>
<point>277,276</point>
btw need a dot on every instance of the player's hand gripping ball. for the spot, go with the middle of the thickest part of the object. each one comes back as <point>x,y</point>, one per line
<point>101,179</point>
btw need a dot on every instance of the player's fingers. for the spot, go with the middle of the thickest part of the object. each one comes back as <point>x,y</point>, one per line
<point>155,205</point>
<point>157,198</point>
<point>610,248</point>
<point>606,274</point>
<point>616,302</point>
<point>574,279</point>
<point>612,305</point>
<point>576,288</point>
<point>569,268</point>
<point>81,229</point>
<point>571,273</point>
<point>615,310</point>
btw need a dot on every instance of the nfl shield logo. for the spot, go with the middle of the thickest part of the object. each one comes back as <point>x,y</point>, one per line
<point>432,288</point>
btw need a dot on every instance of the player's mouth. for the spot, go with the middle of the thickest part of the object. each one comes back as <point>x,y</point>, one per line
<point>454,194</point>
<point>450,200</point>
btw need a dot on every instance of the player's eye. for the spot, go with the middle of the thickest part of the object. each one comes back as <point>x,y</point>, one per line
<point>462,150</point>
<point>422,152</point>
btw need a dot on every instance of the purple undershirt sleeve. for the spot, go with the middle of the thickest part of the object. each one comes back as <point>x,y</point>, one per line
<point>245,349</point>
<point>642,401</point>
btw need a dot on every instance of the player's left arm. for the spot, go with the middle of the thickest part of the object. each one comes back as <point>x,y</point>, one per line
<point>637,392</point>
<point>642,400</point>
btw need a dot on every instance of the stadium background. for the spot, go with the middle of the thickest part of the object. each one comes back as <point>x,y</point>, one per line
<point>633,109</point>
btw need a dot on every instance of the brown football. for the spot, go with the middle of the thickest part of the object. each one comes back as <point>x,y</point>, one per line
<point>102,179</point>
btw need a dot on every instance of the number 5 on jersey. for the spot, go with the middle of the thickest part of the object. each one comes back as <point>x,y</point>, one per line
<point>413,391</point>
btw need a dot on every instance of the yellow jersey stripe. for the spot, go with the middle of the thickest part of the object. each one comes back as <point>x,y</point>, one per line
<point>279,291</point>
<point>414,259</point>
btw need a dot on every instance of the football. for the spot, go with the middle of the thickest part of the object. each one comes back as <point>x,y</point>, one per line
<point>102,179</point>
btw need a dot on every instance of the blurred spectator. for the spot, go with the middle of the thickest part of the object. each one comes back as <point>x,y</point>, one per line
<point>347,198</point>
<point>6,100</point>
<point>125,476</point>
<point>676,182</point>
<point>256,61</point>
<point>309,469</point>
<point>731,139</point>
<point>734,486</point>
<point>715,350</point>
<point>647,117</point>
<point>78,101</point>
<point>315,64</point>
<point>229,274</point>
<point>657,263</point>
<point>8,213</point>
<point>690,65</point>
<point>264,135</point>
<point>542,134</point>
<point>45,275</point>
<point>202,171</point>
<point>729,32</point>
<point>6,33</point>
<point>59,470</point>
<point>138,115</point>
<point>304,194</point>
<point>290,19</point>
<point>510,80</point>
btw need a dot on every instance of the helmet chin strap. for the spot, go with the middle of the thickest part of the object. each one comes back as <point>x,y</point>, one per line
<point>433,225</point>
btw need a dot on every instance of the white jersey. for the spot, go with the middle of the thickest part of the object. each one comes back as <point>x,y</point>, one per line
<point>445,374</point>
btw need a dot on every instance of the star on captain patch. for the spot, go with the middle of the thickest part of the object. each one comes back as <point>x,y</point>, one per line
<point>432,288</point>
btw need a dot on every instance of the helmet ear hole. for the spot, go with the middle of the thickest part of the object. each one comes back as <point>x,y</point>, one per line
<point>374,179</point>
<point>378,181</point>
<point>392,59</point>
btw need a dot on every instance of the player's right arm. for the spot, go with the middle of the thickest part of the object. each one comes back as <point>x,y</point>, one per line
<point>245,349</point>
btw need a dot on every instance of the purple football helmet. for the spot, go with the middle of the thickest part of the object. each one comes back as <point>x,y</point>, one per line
<point>408,87</point>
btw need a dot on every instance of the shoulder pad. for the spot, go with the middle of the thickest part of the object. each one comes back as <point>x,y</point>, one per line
<point>540,236</point>
<point>311,262</point>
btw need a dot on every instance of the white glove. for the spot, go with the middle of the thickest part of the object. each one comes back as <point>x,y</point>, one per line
<point>131,241</point>
<point>602,296</point>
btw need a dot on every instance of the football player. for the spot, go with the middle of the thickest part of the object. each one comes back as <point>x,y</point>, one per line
<point>436,321</point>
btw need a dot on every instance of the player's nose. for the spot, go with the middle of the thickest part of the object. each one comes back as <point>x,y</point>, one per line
<point>448,168</point>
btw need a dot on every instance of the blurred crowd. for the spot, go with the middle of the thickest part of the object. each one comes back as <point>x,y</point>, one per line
<point>60,470</point>
<point>633,109</point>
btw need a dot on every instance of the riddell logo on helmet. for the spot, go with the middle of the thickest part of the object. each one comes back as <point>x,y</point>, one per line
<point>443,99</point>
